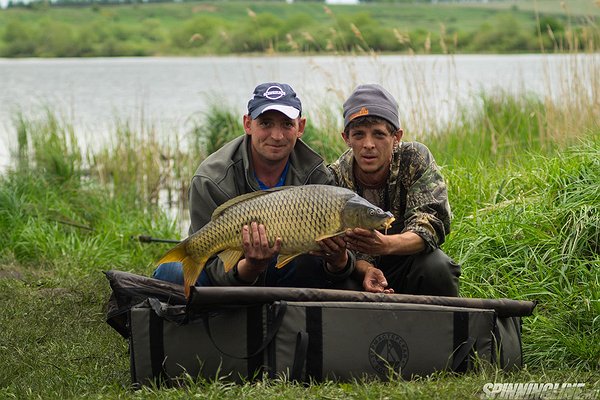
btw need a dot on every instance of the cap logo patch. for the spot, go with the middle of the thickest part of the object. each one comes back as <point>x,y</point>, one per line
<point>362,112</point>
<point>274,93</point>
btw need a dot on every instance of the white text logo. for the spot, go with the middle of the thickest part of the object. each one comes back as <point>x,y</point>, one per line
<point>534,390</point>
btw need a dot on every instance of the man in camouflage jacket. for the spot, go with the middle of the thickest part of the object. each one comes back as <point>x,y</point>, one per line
<point>402,178</point>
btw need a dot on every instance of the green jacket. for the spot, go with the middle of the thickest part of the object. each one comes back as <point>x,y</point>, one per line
<point>226,174</point>
<point>415,193</point>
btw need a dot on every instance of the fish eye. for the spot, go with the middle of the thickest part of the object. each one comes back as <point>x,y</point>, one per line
<point>371,211</point>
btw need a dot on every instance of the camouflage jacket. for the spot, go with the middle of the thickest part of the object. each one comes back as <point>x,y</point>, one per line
<point>415,193</point>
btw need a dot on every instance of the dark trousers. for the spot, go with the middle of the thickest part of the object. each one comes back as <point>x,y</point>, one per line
<point>304,271</point>
<point>432,273</point>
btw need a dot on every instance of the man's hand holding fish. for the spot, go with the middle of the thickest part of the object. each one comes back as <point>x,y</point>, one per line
<point>258,253</point>
<point>333,251</point>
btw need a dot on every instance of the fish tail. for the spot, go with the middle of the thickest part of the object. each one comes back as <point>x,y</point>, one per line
<point>176,254</point>
<point>191,267</point>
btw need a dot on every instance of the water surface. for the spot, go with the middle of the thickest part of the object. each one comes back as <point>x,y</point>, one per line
<point>169,94</point>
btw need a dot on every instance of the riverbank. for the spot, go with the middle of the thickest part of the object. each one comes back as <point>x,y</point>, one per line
<point>238,27</point>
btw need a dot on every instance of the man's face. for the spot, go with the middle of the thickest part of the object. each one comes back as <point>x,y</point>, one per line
<point>273,135</point>
<point>372,146</point>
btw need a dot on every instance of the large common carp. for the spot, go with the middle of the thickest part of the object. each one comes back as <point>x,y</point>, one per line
<point>299,215</point>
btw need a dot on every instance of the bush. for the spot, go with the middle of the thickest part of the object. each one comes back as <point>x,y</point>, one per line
<point>20,40</point>
<point>502,36</point>
<point>196,33</point>
<point>258,34</point>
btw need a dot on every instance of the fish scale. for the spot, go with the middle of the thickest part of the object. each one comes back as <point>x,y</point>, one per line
<point>299,215</point>
<point>282,224</point>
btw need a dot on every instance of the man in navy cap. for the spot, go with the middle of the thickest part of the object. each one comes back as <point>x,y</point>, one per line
<point>269,154</point>
<point>401,177</point>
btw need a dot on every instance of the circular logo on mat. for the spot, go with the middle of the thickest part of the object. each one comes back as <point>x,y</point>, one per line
<point>388,351</point>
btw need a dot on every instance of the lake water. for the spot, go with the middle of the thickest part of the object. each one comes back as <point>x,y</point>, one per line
<point>169,94</point>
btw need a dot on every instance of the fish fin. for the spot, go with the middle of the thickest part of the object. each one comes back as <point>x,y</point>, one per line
<point>388,224</point>
<point>191,271</point>
<point>243,197</point>
<point>283,260</point>
<point>230,257</point>
<point>328,235</point>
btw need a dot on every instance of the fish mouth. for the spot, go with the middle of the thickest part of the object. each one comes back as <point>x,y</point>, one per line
<point>387,224</point>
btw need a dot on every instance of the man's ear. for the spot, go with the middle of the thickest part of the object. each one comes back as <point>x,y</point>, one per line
<point>346,138</point>
<point>398,135</point>
<point>301,126</point>
<point>247,121</point>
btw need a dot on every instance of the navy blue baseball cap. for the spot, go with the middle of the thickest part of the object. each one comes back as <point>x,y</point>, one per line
<point>274,96</point>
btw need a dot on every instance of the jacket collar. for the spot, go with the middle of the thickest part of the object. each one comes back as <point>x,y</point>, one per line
<point>303,162</point>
